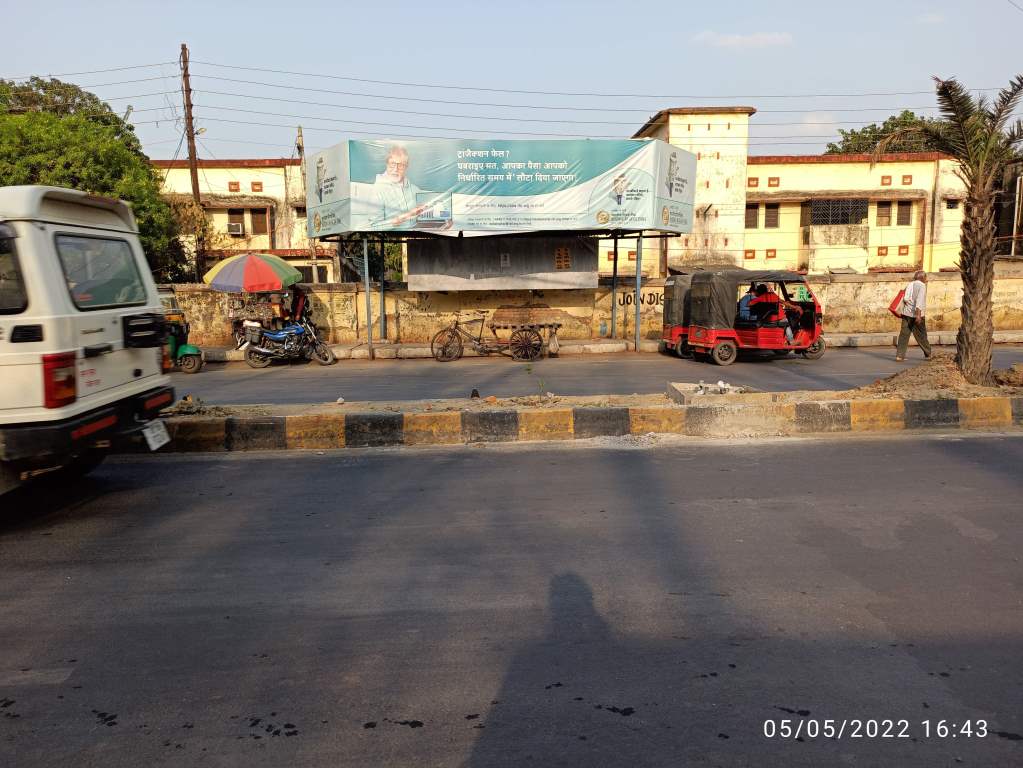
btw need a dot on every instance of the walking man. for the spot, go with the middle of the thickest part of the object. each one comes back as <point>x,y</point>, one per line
<point>914,305</point>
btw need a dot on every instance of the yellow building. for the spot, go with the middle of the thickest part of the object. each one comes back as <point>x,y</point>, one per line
<point>815,213</point>
<point>254,205</point>
<point>822,213</point>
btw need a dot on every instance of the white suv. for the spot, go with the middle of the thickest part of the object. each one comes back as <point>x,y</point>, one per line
<point>81,332</point>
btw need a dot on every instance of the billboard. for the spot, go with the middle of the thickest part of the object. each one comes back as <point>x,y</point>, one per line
<point>447,186</point>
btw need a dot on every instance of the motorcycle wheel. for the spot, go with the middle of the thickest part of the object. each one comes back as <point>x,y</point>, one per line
<point>323,354</point>
<point>255,359</point>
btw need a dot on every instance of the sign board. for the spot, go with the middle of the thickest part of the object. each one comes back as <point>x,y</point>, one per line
<point>445,186</point>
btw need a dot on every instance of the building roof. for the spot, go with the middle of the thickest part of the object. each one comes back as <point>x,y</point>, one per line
<point>659,117</point>
<point>263,162</point>
<point>799,195</point>
<point>891,157</point>
<point>209,200</point>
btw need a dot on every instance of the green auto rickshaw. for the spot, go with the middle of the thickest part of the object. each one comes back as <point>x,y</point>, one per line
<point>187,357</point>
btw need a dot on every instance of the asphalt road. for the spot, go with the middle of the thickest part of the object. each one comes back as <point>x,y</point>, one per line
<point>629,604</point>
<point>620,374</point>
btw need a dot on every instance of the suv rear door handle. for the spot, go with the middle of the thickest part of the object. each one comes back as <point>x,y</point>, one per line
<point>95,350</point>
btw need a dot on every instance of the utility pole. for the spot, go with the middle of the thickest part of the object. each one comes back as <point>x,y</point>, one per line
<point>193,165</point>
<point>300,146</point>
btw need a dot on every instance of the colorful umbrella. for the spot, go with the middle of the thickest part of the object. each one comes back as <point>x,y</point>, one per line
<point>252,273</point>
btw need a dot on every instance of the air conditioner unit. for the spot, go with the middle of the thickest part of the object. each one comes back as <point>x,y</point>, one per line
<point>235,228</point>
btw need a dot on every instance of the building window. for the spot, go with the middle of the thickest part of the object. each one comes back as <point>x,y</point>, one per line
<point>907,179</point>
<point>773,181</point>
<point>749,254</point>
<point>236,221</point>
<point>300,212</point>
<point>903,250</point>
<point>771,253</point>
<point>257,186</point>
<point>562,258</point>
<point>805,211</point>
<point>952,204</point>
<point>610,255</point>
<point>771,211</point>
<point>904,215</point>
<point>258,221</point>
<point>886,181</point>
<point>632,255</point>
<point>728,183</point>
<point>882,250</point>
<point>234,186</point>
<point>826,211</point>
<point>752,215</point>
<point>884,213</point>
<point>753,181</point>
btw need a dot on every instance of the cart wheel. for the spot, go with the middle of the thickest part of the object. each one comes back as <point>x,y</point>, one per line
<point>724,353</point>
<point>190,364</point>
<point>446,346</point>
<point>815,351</point>
<point>525,344</point>
<point>255,359</point>
<point>683,350</point>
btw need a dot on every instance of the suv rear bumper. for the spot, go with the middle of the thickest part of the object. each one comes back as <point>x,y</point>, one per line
<point>51,442</point>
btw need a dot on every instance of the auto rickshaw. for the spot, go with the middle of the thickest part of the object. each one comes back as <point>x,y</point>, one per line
<point>187,357</point>
<point>702,315</point>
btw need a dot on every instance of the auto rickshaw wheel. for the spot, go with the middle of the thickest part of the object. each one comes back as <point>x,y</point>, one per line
<point>724,352</point>
<point>190,364</point>
<point>683,350</point>
<point>815,351</point>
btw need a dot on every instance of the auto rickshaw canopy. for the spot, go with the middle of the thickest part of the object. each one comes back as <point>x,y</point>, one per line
<point>713,295</point>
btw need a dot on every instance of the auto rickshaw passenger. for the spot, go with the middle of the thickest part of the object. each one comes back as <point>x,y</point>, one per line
<point>773,309</point>
<point>745,314</point>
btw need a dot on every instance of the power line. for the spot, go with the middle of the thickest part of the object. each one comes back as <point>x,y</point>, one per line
<point>1014,5</point>
<point>576,93</point>
<point>532,106</point>
<point>500,118</point>
<point>94,71</point>
<point>721,141</point>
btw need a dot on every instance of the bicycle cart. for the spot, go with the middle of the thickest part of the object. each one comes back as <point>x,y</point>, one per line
<point>525,342</point>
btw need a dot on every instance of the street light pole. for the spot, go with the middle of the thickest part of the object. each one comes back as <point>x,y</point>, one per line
<point>639,283</point>
<point>369,296</point>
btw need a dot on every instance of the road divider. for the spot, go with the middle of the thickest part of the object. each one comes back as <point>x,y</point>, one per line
<point>734,418</point>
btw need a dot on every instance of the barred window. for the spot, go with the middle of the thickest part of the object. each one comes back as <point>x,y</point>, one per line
<point>771,216</point>
<point>823,212</point>
<point>904,213</point>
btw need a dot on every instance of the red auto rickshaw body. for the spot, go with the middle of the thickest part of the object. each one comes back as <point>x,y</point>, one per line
<point>702,315</point>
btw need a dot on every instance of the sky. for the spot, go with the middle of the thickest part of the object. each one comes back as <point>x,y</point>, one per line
<point>522,69</point>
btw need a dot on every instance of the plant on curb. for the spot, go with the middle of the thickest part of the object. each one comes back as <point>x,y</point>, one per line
<point>976,132</point>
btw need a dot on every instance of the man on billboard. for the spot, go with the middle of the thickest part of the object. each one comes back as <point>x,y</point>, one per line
<point>396,194</point>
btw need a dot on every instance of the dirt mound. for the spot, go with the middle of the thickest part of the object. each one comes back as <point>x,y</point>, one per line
<point>1011,377</point>
<point>938,379</point>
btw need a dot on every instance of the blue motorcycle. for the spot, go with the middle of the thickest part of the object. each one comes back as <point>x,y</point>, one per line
<point>295,340</point>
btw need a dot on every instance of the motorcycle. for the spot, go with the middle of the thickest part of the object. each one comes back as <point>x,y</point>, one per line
<point>295,340</point>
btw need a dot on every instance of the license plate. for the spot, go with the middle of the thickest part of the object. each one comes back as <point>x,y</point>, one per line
<point>156,435</point>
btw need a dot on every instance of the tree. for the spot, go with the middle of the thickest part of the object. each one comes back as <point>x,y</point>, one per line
<point>55,133</point>
<point>977,133</point>
<point>865,140</point>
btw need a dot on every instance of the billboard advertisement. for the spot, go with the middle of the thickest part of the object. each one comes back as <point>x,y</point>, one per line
<point>447,186</point>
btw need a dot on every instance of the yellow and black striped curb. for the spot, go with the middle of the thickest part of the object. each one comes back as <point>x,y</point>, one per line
<point>362,430</point>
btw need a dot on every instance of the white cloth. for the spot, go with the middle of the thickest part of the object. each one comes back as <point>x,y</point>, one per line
<point>915,298</point>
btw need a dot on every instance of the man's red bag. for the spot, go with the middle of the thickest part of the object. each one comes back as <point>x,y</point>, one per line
<point>896,306</point>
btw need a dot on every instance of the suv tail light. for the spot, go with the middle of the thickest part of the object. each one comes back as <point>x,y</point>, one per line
<point>59,377</point>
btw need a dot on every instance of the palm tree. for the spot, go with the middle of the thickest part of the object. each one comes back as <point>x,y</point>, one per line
<point>978,134</point>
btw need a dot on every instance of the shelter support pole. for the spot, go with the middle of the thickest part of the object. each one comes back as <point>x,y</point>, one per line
<point>369,296</point>
<point>614,289</point>
<point>639,283</point>
<point>1015,216</point>
<point>383,306</point>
